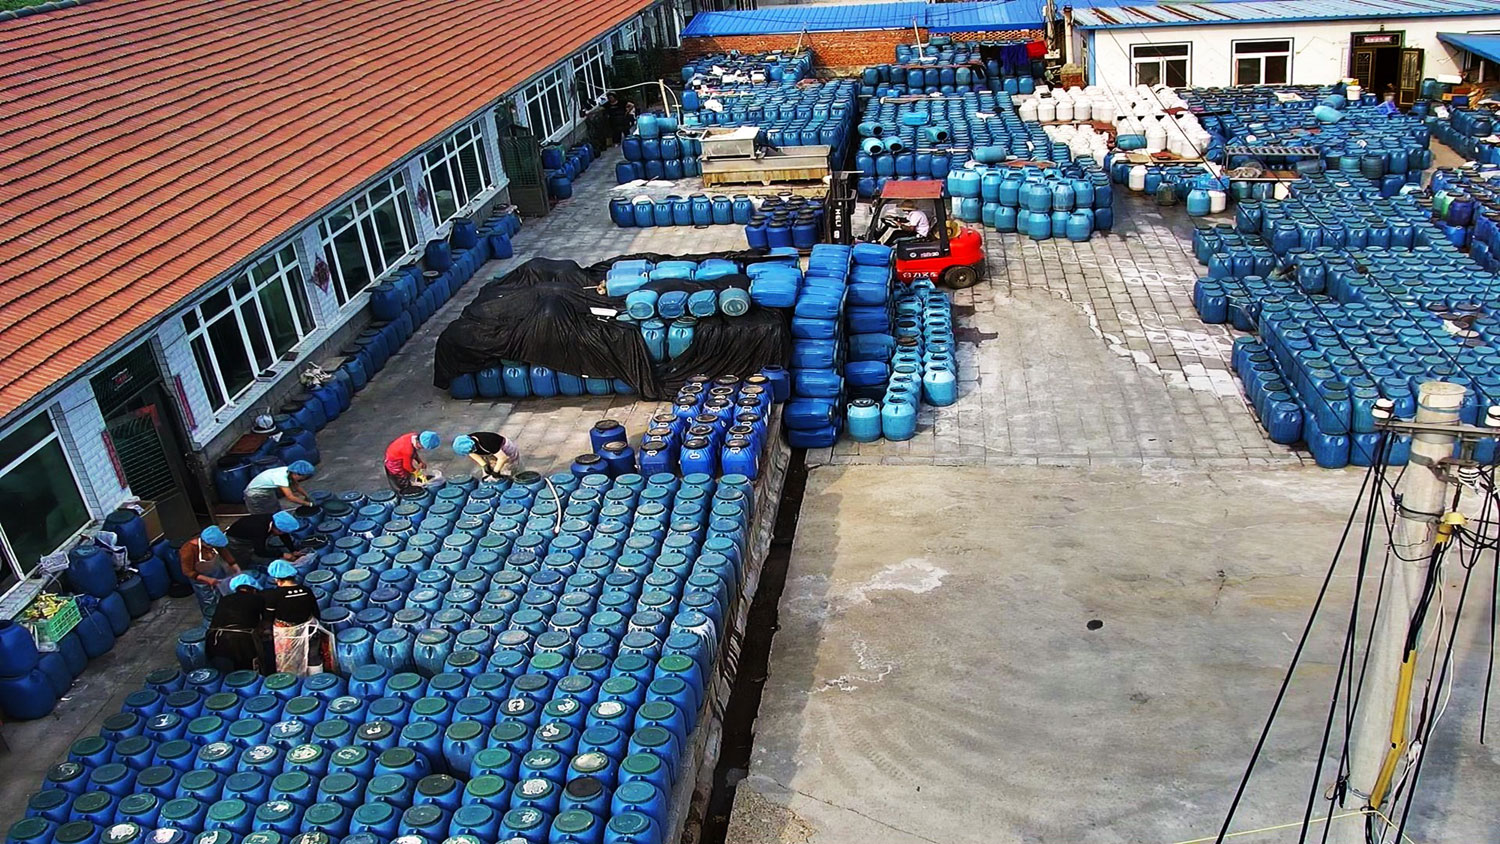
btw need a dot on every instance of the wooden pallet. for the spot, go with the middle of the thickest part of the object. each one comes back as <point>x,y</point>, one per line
<point>789,164</point>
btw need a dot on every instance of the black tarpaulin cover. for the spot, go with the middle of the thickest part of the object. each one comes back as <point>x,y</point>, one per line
<point>544,312</point>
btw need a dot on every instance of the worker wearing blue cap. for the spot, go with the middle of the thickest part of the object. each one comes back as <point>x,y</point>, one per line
<point>297,634</point>
<point>495,454</point>
<point>234,632</point>
<point>260,537</point>
<point>208,564</point>
<point>264,492</point>
<point>404,467</point>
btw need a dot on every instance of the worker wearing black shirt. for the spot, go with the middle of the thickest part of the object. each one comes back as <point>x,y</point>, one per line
<point>296,632</point>
<point>264,536</point>
<point>234,641</point>
<point>495,454</point>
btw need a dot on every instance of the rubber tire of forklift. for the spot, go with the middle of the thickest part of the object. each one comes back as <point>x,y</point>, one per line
<point>958,278</point>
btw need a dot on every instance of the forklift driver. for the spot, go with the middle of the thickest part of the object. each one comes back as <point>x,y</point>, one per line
<point>906,223</point>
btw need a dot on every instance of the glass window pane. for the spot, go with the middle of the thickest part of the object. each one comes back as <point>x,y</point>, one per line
<point>1147,73</point>
<point>298,288</point>
<point>351,269</point>
<point>1263,47</point>
<point>1149,51</point>
<point>388,233</point>
<point>216,304</point>
<point>442,192</point>
<point>372,246</point>
<point>1276,70</point>
<point>279,320</point>
<point>42,504</point>
<point>474,180</point>
<point>23,438</point>
<point>229,351</point>
<point>1247,72</point>
<point>380,191</point>
<point>216,396</point>
<point>250,312</point>
<point>1177,74</point>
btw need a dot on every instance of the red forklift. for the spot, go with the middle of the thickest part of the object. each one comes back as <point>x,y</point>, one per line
<point>951,254</point>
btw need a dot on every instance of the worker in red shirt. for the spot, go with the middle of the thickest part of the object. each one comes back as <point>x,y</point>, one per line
<point>403,458</point>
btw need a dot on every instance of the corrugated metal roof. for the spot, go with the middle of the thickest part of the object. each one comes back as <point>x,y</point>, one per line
<point>939,17</point>
<point>151,145</point>
<point>1103,16</point>
<point>1487,46</point>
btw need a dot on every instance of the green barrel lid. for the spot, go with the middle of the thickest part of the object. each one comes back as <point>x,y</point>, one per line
<point>436,785</point>
<point>305,754</point>
<point>656,710</point>
<point>397,758</point>
<point>534,788</point>
<point>609,708</point>
<point>288,732</point>
<point>90,802</point>
<point>591,762</point>
<point>120,721</point>
<point>214,836</point>
<point>508,731</point>
<point>240,679</point>
<point>161,676</point>
<point>464,659</point>
<point>374,731</point>
<point>64,772</point>
<point>153,776</point>
<point>445,683</point>
<point>138,804</point>
<point>517,706</point>
<point>302,706</point>
<point>259,754</point>
<point>553,732</point>
<point>619,685</point>
<point>109,773</point>
<point>380,708</point>
<point>280,682</point>
<point>385,785</point>
<point>29,829</point>
<point>418,731</point>
<point>51,798</point>
<point>323,814</point>
<point>575,821</point>
<point>462,838</point>
<point>489,685</point>
<point>332,729</point>
<point>430,707</point>
<point>180,809</point>
<point>425,816</point>
<point>473,815</point>
<point>635,791</point>
<point>229,809</point>
<point>275,810</point>
<point>548,661</point>
<point>88,746</point>
<point>372,814</point>
<point>492,758</point>
<point>346,704</point>
<point>205,725</point>
<point>221,701</point>
<point>486,786</point>
<point>464,730</point>
<point>472,705</point>
<point>404,682</point>
<point>339,783</point>
<point>264,836</point>
<point>198,780</point>
<point>524,819</point>
<point>573,684</point>
<point>215,751</point>
<point>531,683</point>
<point>74,832</point>
<point>247,727</point>
<point>314,837</point>
<point>640,764</point>
<point>346,757</point>
<point>541,758</point>
<point>625,823</point>
<point>651,736</point>
<point>290,782</point>
<point>174,748</point>
<point>563,707</point>
<point>242,781</point>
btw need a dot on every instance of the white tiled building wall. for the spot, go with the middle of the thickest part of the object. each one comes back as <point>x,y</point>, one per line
<point>177,355</point>
<point>81,427</point>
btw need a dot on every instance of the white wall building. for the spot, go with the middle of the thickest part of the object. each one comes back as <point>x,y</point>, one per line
<point>1305,42</point>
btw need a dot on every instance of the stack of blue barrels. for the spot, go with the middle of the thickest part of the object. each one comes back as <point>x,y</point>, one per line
<point>658,151</point>
<point>716,426</point>
<point>709,72</point>
<point>923,367</point>
<point>786,221</point>
<point>667,318</point>
<point>945,66</point>
<point>814,416</point>
<point>1467,204</point>
<point>105,601</point>
<point>561,167</point>
<point>699,209</point>
<point>1465,131</point>
<point>791,114</point>
<point>545,650</point>
<point>1073,200</point>
<point>1354,297</point>
<point>518,380</point>
<point>869,322</point>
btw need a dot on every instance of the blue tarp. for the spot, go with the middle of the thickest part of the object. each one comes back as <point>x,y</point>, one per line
<point>1486,46</point>
<point>938,17</point>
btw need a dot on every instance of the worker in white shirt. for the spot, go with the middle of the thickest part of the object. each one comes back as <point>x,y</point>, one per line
<point>917,221</point>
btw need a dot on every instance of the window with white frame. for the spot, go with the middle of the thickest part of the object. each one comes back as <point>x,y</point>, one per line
<point>43,505</point>
<point>629,35</point>
<point>548,105</point>
<point>591,72</point>
<point>242,329</point>
<point>457,171</point>
<point>1161,64</point>
<point>1263,62</point>
<point>367,237</point>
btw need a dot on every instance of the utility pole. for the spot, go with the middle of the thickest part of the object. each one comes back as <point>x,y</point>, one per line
<point>1381,737</point>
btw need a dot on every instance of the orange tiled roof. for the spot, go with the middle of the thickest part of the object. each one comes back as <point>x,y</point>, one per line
<point>147,146</point>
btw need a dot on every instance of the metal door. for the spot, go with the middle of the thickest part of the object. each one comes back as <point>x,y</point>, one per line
<point>1409,83</point>
<point>144,448</point>
<point>522,157</point>
<point>1362,66</point>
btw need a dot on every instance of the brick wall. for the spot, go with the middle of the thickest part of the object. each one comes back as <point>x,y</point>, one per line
<point>840,52</point>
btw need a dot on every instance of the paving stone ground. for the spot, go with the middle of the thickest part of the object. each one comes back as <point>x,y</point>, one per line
<point>1087,354</point>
